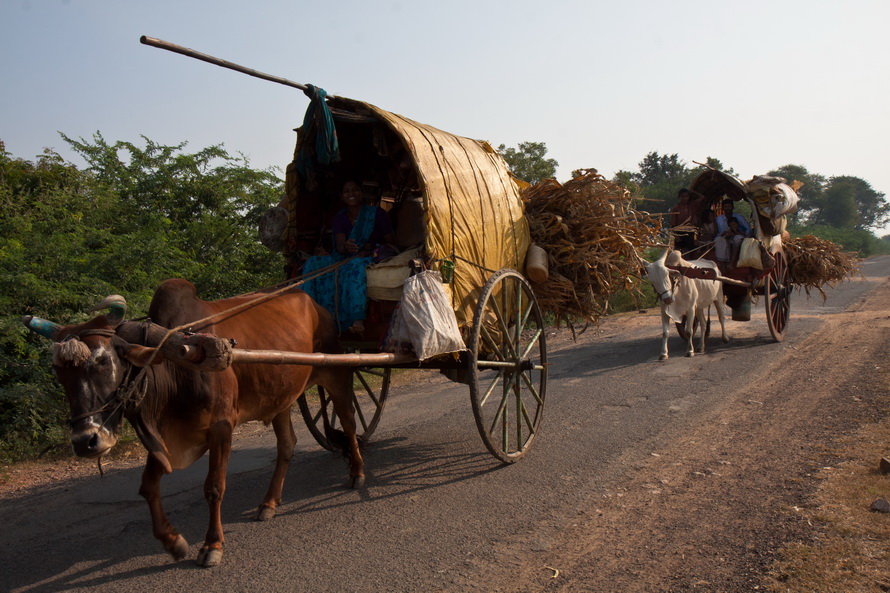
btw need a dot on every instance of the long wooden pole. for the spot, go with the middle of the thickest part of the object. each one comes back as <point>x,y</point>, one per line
<point>319,359</point>
<point>145,40</point>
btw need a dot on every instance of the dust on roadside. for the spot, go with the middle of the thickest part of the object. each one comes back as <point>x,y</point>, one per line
<point>726,506</point>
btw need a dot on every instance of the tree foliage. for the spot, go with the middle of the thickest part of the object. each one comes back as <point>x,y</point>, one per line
<point>661,177</point>
<point>528,162</point>
<point>843,202</point>
<point>872,210</point>
<point>132,218</point>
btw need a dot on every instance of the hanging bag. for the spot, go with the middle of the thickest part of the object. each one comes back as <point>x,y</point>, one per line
<point>425,312</point>
<point>749,254</point>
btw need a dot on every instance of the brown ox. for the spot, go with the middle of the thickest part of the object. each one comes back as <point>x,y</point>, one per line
<point>185,413</point>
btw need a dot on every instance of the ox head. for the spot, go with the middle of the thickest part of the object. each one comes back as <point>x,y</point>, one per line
<point>662,278</point>
<point>91,363</point>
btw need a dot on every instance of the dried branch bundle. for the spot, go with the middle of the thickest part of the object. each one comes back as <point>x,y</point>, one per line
<point>592,235</point>
<point>815,262</point>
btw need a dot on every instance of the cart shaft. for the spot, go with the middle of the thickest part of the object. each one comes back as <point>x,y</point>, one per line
<point>320,359</point>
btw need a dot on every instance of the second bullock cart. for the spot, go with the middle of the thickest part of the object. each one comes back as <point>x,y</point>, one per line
<point>455,208</point>
<point>767,276</point>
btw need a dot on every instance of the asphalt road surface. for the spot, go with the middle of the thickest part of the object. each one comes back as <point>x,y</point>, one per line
<point>438,512</point>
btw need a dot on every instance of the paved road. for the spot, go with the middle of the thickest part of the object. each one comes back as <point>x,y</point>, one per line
<point>438,510</point>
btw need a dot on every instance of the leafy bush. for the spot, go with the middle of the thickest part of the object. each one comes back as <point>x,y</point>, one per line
<point>132,218</point>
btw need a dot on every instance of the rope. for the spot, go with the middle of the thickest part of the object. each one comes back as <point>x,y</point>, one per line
<point>472,263</point>
<point>709,246</point>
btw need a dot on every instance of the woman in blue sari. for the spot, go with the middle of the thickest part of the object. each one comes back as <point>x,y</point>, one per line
<point>358,230</point>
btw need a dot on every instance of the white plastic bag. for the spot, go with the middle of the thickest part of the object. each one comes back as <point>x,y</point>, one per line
<point>427,315</point>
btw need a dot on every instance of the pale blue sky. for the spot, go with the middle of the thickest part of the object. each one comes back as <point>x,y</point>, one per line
<point>757,84</point>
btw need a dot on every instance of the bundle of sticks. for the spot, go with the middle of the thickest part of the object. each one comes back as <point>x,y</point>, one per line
<point>592,235</point>
<point>815,262</point>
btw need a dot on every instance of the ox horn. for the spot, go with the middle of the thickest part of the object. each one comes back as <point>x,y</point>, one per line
<point>45,328</point>
<point>114,303</point>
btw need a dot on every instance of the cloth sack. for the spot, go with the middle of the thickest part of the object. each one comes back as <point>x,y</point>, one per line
<point>753,254</point>
<point>749,254</point>
<point>426,316</point>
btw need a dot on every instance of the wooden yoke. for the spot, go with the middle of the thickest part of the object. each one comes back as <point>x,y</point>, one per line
<point>695,272</point>
<point>202,352</point>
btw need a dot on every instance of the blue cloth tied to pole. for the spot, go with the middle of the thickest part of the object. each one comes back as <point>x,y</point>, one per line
<point>318,124</point>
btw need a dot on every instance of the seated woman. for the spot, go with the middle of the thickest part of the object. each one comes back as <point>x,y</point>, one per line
<point>707,227</point>
<point>359,231</point>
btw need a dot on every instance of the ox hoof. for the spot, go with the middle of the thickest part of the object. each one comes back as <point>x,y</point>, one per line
<point>264,513</point>
<point>179,548</point>
<point>208,557</point>
<point>725,339</point>
<point>663,357</point>
<point>690,354</point>
<point>356,482</point>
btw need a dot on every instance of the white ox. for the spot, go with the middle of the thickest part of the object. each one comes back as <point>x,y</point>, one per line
<point>685,297</point>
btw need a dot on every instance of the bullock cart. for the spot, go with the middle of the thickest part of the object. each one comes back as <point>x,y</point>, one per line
<point>767,276</point>
<point>455,208</point>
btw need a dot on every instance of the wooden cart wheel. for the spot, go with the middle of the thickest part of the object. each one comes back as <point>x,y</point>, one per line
<point>371,390</point>
<point>508,365</point>
<point>777,296</point>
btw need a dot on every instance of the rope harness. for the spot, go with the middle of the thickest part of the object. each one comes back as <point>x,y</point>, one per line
<point>673,280</point>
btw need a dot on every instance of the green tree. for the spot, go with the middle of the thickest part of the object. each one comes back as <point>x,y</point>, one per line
<point>872,208</point>
<point>656,169</point>
<point>135,216</point>
<point>838,207</point>
<point>659,179</point>
<point>527,162</point>
<point>205,206</point>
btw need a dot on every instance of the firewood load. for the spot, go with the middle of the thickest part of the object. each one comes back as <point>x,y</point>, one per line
<point>592,235</point>
<point>814,263</point>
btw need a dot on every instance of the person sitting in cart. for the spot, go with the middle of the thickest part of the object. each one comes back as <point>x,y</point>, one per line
<point>361,232</point>
<point>728,242</point>
<point>707,229</point>
<point>685,214</point>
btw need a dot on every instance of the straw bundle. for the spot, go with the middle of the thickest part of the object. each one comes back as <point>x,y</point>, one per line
<point>592,236</point>
<point>815,262</point>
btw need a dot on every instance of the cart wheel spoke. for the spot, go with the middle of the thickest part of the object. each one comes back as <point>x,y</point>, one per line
<point>502,325</point>
<point>508,365</point>
<point>494,383</point>
<point>371,388</point>
<point>491,344</point>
